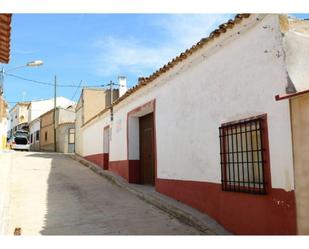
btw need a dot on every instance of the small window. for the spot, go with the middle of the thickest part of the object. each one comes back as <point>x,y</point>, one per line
<point>37,135</point>
<point>71,136</point>
<point>31,138</point>
<point>45,135</point>
<point>243,152</point>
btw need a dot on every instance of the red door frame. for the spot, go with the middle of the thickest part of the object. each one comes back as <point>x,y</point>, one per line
<point>151,103</point>
<point>106,155</point>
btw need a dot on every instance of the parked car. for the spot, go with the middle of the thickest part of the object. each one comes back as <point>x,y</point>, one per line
<point>20,141</point>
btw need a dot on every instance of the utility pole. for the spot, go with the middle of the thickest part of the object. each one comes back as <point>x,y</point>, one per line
<point>55,105</point>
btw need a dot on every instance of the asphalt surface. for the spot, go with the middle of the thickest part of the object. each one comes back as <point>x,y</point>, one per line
<point>52,194</point>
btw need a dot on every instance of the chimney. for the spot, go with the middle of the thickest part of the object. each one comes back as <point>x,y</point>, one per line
<point>122,81</point>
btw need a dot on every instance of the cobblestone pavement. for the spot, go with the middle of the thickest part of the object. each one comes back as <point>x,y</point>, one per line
<point>51,194</point>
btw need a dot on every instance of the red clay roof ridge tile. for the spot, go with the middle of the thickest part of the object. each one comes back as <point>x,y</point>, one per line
<point>184,55</point>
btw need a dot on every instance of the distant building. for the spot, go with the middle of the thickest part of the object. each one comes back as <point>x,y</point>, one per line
<point>19,117</point>
<point>91,102</point>
<point>64,125</point>
<point>35,110</point>
<point>38,107</point>
<point>34,130</point>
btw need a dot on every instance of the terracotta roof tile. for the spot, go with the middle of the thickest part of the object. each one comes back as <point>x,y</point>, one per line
<point>184,55</point>
<point>5,37</point>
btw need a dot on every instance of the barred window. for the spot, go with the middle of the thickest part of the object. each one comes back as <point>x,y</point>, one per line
<point>243,153</point>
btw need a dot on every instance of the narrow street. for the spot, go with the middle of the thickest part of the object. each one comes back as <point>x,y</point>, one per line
<point>51,194</point>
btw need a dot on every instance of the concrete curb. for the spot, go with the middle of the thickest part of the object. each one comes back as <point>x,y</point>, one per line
<point>182,212</point>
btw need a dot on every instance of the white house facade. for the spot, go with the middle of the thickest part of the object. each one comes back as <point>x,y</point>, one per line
<point>34,131</point>
<point>206,129</point>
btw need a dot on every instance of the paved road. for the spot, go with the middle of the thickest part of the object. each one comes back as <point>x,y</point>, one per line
<point>5,167</point>
<point>51,194</point>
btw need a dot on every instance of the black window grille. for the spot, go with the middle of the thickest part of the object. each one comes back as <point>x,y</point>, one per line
<point>243,156</point>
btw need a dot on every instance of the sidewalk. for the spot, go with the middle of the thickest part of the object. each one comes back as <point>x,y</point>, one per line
<point>5,167</point>
<point>181,211</point>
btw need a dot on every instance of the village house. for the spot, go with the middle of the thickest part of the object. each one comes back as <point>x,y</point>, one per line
<point>92,101</point>
<point>206,129</point>
<point>19,117</point>
<point>34,131</point>
<point>63,124</point>
<point>35,110</point>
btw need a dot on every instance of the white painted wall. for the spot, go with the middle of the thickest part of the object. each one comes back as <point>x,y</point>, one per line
<point>118,145</point>
<point>66,116</point>
<point>133,133</point>
<point>34,126</point>
<point>79,144</point>
<point>92,137</point>
<point>229,79</point>
<point>106,140</point>
<point>16,113</point>
<point>37,108</point>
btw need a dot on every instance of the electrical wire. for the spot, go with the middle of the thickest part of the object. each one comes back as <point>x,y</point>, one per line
<point>77,89</point>
<point>49,83</point>
<point>59,85</point>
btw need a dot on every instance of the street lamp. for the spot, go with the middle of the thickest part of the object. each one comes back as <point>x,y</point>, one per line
<point>35,63</point>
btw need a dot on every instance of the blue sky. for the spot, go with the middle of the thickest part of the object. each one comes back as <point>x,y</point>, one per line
<point>97,48</point>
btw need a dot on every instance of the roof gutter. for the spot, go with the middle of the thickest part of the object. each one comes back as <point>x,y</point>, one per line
<point>291,95</point>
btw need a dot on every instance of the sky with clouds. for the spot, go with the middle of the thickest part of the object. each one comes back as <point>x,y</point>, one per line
<point>97,48</point>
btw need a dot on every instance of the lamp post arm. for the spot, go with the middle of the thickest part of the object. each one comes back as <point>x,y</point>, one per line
<point>14,68</point>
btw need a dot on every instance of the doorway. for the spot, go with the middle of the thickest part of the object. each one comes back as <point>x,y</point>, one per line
<point>106,139</point>
<point>146,135</point>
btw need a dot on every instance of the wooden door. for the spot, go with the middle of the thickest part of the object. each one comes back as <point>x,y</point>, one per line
<point>146,149</point>
<point>106,138</point>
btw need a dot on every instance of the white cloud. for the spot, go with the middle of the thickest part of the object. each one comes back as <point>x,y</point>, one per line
<point>186,30</point>
<point>130,54</point>
<point>117,55</point>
